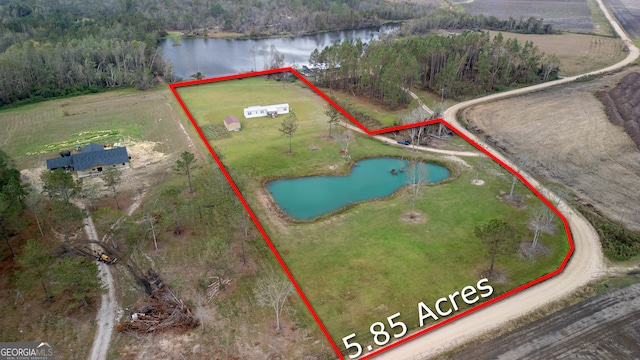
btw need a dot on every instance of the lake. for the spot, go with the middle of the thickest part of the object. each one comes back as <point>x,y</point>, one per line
<point>219,57</point>
<point>309,197</point>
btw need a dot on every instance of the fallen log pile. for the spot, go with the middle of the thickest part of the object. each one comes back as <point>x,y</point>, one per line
<point>161,311</point>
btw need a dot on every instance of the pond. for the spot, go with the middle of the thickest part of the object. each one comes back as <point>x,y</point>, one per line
<point>309,197</point>
<point>217,57</point>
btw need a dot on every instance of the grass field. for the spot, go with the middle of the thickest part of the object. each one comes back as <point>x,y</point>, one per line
<point>364,264</point>
<point>33,133</point>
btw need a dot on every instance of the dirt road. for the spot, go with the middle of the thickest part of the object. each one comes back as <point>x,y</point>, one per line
<point>109,311</point>
<point>587,262</point>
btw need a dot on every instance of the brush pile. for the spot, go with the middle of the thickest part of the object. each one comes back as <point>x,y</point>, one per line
<point>161,311</point>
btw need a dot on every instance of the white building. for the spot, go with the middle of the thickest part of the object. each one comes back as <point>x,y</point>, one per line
<point>268,110</point>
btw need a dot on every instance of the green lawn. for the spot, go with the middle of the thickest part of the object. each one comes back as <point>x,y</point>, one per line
<point>365,264</point>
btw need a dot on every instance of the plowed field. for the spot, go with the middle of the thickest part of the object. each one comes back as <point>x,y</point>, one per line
<point>566,132</point>
<point>571,15</point>
<point>627,12</point>
<point>605,327</point>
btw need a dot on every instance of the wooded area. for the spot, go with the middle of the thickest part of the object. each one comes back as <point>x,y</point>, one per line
<point>457,65</point>
<point>65,48</point>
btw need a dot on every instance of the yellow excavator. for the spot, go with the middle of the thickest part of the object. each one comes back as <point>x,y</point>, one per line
<point>103,257</point>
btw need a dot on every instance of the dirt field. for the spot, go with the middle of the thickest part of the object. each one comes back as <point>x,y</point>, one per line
<point>570,15</point>
<point>627,12</point>
<point>621,105</point>
<point>605,327</point>
<point>566,132</point>
<point>578,53</point>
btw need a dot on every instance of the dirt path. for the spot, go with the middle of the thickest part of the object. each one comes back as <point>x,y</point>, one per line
<point>586,264</point>
<point>109,311</point>
<point>389,141</point>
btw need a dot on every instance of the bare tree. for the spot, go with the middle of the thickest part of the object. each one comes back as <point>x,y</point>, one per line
<point>112,177</point>
<point>346,139</point>
<point>152,219</point>
<point>541,221</point>
<point>273,290</point>
<point>415,133</point>
<point>35,203</point>
<point>550,67</point>
<point>417,177</point>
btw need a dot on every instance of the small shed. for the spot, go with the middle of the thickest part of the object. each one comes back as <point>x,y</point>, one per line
<point>232,123</point>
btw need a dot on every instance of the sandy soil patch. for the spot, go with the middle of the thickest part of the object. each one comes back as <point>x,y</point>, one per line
<point>147,166</point>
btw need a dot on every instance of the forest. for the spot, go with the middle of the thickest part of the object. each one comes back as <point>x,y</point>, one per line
<point>45,270</point>
<point>70,47</point>
<point>456,65</point>
<point>63,48</point>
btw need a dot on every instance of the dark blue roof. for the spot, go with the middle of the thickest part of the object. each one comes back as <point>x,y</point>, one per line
<point>92,147</point>
<point>59,162</point>
<point>92,155</point>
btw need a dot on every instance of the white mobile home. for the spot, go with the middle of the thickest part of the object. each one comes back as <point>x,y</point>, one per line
<point>268,110</point>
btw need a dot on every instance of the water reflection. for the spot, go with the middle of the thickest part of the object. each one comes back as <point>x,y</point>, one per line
<point>219,57</point>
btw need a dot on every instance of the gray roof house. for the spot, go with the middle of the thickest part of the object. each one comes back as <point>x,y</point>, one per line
<point>91,160</point>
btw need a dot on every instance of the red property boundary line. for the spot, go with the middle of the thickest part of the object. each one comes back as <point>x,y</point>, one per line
<point>368,132</point>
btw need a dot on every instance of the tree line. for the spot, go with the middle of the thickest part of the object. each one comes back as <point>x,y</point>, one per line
<point>467,64</point>
<point>454,20</point>
<point>261,18</point>
<point>32,71</point>
<point>52,49</point>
